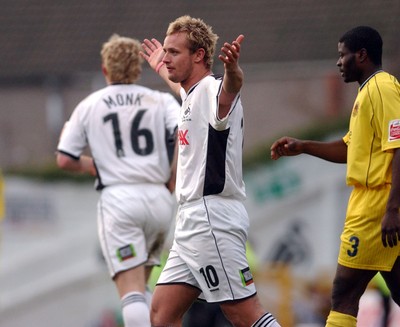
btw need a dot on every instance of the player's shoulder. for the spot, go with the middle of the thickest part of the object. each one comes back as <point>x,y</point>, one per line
<point>391,79</point>
<point>153,92</point>
<point>92,97</point>
<point>217,76</point>
<point>383,77</point>
<point>382,83</point>
<point>208,86</point>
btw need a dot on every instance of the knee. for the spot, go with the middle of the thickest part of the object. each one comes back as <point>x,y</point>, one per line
<point>236,316</point>
<point>236,321</point>
<point>346,295</point>
<point>392,280</point>
<point>245,313</point>
<point>338,291</point>
<point>154,316</point>
<point>162,318</point>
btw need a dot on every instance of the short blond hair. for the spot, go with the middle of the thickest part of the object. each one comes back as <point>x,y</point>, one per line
<point>199,34</point>
<point>120,56</point>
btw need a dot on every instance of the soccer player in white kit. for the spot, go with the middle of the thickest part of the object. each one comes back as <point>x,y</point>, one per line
<point>208,256</point>
<point>131,132</point>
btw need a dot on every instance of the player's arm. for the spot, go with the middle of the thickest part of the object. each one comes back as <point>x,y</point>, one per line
<point>84,164</point>
<point>172,179</point>
<point>233,75</point>
<point>335,151</point>
<point>391,219</point>
<point>153,53</point>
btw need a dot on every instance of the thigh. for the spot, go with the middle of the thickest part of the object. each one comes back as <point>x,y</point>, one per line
<point>211,241</point>
<point>122,240</point>
<point>132,229</point>
<point>159,222</point>
<point>361,243</point>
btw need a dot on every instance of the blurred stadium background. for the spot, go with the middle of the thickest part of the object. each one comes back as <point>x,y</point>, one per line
<point>51,271</point>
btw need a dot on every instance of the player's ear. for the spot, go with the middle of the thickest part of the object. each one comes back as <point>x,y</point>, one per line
<point>104,70</point>
<point>200,53</point>
<point>362,54</point>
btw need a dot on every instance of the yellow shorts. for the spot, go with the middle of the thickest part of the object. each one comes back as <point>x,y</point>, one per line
<point>361,244</point>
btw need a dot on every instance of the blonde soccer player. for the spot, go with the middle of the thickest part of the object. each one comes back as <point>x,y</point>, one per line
<point>130,130</point>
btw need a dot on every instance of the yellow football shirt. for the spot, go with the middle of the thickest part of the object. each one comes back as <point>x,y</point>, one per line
<point>374,131</point>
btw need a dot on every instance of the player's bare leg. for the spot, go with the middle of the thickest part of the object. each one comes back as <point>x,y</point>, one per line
<point>170,302</point>
<point>348,287</point>
<point>131,285</point>
<point>248,312</point>
<point>392,279</point>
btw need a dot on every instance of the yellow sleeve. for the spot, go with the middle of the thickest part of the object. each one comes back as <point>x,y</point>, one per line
<point>389,116</point>
<point>346,138</point>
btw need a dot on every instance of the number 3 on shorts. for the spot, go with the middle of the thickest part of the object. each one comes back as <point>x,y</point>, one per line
<point>355,240</point>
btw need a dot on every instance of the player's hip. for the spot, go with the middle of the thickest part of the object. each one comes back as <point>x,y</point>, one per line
<point>212,214</point>
<point>361,243</point>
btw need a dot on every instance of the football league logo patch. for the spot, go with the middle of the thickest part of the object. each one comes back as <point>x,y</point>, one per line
<point>246,276</point>
<point>126,252</point>
<point>394,130</point>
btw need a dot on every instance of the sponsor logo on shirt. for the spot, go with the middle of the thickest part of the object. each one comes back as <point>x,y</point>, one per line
<point>126,252</point>
<point>246,276</point>
<point>394,130</point>
<point>182,136</point>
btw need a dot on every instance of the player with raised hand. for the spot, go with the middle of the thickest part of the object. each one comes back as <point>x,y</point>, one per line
<point>208,256</point>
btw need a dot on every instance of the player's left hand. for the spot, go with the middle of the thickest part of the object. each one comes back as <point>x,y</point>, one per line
<point>231,52</point>
<point>391,228</point>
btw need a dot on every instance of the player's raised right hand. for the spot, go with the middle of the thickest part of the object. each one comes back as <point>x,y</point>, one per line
<point>152,52</point>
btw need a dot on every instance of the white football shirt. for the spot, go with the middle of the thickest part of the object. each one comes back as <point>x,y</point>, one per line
<point>129,129</point>
<point>210,149</point>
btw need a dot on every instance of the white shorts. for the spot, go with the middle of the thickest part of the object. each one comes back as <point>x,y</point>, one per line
<point>209,250</point>
<point>133,223</point>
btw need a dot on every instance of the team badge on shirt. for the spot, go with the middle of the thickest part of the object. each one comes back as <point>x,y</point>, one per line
<point>246,276</point>
<point>394,130</point>
<point>126,252</point>
<point>355,109</point>
<point>187,113</point>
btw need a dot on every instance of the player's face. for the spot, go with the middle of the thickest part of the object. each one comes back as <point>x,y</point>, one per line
<point>178,58</point>
<point>347,64</point>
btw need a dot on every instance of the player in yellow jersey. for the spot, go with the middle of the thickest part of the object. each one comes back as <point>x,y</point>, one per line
<point>369,242</point>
